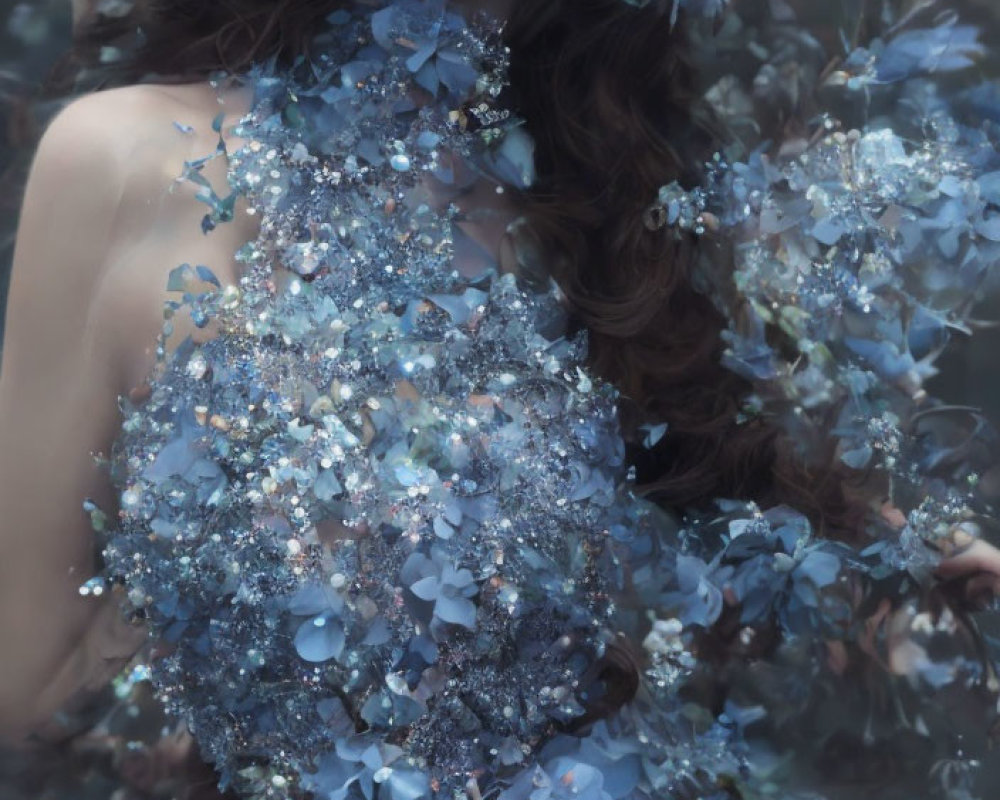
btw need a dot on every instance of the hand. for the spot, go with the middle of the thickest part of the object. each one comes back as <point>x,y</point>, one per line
<point>973,559</point>
<point>965,556</point>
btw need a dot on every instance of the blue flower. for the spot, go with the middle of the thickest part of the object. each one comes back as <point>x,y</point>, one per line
<point>364,762</point>
<point>419,29</point>
<point>321,637</point>
<point>944,48</point>
<point>563,778</point>
<point>436,580</point>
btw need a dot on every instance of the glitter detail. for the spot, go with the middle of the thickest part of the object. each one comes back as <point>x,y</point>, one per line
<point>383,518</point>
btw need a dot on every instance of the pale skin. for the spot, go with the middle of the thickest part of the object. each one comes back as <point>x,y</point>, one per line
<point>102,225</point>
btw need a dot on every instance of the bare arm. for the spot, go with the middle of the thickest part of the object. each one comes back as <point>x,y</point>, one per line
<point>57,408</point>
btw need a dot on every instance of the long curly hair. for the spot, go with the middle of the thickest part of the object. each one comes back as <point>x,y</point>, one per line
<point>607,94</point>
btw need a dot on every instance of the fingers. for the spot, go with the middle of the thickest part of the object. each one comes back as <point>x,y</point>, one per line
<point>977,556</point>
<point>892,515</point>
<point>960,538</point>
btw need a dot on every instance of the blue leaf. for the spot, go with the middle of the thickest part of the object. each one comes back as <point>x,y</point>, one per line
<point>207,275</point>
<point>653,434</point>
<point>989,227</point>
<point>378,634</point>
<point>173,460</point>
<point>578,780</point>
<point>690,569</point>
<point>428,78</point>
<point>455,305</point>
<point>382,24</point>
<point>884,357</point>
<point>989,187</point>
<point>457,578</point>
<point>442,529</point>
<point>179,278</point>
<point>828,231</point>
<point>945,48</point>
<point>314,598</point>
<point>327,486</point>
<point>858,457</point>
<point>335,716</point>
<point>456,72</point>
<point>419,58</point>
<point>408,784</point>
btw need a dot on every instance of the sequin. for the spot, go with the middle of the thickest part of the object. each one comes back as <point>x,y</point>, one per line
<point>411,506</point>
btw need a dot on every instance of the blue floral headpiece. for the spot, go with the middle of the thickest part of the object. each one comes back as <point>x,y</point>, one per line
<point>832,253</point>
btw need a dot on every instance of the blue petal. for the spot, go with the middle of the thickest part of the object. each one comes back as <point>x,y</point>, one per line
<point>456,610</point>
<point>327,486</point>
<point>408,784</point>
<point>426,588</point>
<point>312,599</point>
<point>442,529</point>
<point>819,567</point>
<point>320,639</point>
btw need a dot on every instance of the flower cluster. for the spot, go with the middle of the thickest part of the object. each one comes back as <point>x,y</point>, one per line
<point>859,248</point>
<point>857,254</point>
<point>383,518</point>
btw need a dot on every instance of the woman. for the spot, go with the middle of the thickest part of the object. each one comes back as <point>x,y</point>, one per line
<point>104,180</point>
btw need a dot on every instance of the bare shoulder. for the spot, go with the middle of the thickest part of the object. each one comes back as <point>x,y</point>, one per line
<point>57,381</point>
<point>67,214</point>
<point>138,127</point>
<point>146,105</point>
<point>158,225</point>
<point>94,149</point>
<point>100,229</point>
<point>102,152</point>
<point>101,125</point>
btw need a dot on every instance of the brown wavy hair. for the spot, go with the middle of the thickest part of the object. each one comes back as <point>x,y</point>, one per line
<point>610,98</point>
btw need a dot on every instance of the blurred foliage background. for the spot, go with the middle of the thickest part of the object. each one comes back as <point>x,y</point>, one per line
<point>34,36</point>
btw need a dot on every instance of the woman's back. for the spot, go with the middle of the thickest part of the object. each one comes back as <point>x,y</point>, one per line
<point>104,222</point>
